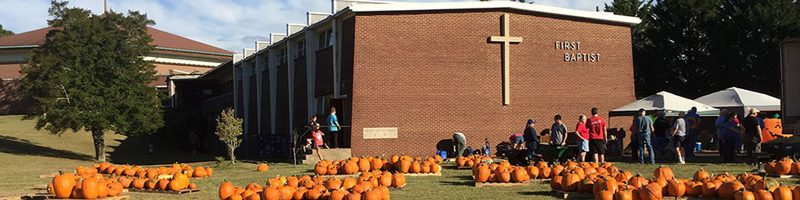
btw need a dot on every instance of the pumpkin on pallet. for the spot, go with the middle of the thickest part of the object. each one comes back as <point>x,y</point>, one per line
<point>365,186</point>
<point>402,164</point>
<point>70,186</point>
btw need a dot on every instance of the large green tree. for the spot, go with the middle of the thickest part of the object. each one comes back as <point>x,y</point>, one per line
<point>4,32</point>
<point>90,75</point>
<point>640,9</point>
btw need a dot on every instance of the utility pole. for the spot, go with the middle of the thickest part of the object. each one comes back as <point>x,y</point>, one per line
<point>105,6</point>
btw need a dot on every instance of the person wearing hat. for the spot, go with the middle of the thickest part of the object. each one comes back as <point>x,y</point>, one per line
<point>531,137</point>
<point>752,135</point>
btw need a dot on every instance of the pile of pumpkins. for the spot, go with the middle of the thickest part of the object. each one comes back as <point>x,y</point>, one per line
<point>396,163</point>
<point>503,172</point>
<point>614,184</point>
<point>368,186</point>
<point>151,172</point>
<point>784,166</point>
<point>72,186</point>
<point>470,161</point>
<point>175,177</point>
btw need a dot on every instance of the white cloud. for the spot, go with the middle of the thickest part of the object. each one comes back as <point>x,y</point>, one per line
<point>229,24</point>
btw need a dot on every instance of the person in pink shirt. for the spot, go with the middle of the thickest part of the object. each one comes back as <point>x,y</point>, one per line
<point>582,133</point>
<point>317,134</point>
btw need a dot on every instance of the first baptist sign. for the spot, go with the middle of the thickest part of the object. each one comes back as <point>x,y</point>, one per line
<point>573,55</point>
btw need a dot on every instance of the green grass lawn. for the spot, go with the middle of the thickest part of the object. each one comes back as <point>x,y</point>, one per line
<point>26,153</point>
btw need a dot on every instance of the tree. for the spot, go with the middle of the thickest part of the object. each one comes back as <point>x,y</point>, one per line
<point>640,9</point>
<point>229,131</point>
<point>89,75</point>
<point>4,32</point>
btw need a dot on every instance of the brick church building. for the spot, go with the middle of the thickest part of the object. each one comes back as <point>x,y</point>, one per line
<point>405,76</point>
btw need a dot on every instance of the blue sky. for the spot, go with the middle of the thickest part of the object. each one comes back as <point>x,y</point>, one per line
<point>228,24</point>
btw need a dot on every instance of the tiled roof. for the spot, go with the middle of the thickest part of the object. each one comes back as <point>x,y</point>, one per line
<point>160,39</point>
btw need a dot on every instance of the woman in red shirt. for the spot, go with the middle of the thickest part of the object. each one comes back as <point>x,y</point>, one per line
<point>583,137</point>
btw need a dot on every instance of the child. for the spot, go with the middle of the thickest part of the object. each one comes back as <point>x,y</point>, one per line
<point>318,142</point>
<point>486,149</point>
<point>517,140</point>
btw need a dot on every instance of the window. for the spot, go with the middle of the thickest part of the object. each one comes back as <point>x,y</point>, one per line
<point>282,56</point>
<point>326,38</point>
<point>301,49</point>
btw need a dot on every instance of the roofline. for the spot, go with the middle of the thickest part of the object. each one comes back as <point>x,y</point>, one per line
<point>400,7</point>
<point>192,51</point>
<point>215,68</point>
<point>19,46</point>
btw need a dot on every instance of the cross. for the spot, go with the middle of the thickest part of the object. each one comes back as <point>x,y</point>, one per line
<point>505,40</point>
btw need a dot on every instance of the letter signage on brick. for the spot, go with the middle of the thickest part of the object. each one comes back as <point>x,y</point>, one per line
<point>575,55</point>
<point>380,133</point>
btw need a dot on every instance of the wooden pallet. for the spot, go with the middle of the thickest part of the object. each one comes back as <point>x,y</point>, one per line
<point>502,184</point>
<point>49,196</point>
<point>422,174</point>
<point>777,176</point>
<point>184,191</point>
<point>340,176</point>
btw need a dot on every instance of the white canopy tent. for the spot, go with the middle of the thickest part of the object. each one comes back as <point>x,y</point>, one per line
<point>740,98</point>
<point>670,103</point>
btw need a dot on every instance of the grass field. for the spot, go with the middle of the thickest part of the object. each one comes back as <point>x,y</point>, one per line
<point>26,153</point>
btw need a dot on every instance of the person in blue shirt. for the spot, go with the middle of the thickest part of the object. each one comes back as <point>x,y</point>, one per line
<point>333,122</point>
<point>721,131</point>
<point>693,132</point>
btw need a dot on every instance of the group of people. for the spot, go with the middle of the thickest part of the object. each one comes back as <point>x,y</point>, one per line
<point>317,139</point>
<point>590,133</point>
<point>653,136</point>
<point>733,133</point>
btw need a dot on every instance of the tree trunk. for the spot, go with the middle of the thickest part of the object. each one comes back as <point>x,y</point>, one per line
<point>99,144</point>
<point>230,153</point>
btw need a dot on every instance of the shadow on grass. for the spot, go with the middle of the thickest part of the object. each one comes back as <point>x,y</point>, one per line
<point>468,178</point>
<point>536,193</point>
<point>17,146</point>
<point>457,183</point>
<point>134,150</point>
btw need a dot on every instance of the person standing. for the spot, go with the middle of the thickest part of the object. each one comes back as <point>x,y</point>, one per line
<point>643,127</point>
<point>693,131</point>
<point>582,133</point>
<point>679,136</point>
<point>597,136</point>
<point>752,136</point>
<point>732,134</point>
<point>460,143</point>
<point>661,128</point>
<point>719,124</point>
<point>558,131</point>
<point>333,122</point>
<point>318,142</point>
<point>531,137</point>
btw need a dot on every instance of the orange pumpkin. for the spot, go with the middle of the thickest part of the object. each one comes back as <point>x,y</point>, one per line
<point>700,175</point>
<point>321,168</point>
<point>569,182</point>
<point>226,190</point>
<point>676,188</point>
<point>638,181</point>
<point>533,171</point>
<point>271,193</point>
<point>782,193</point>
<point>333,184</point>
<point>744,195</point>
<point>663,172</point>
<point>262,167</point>
<point>728,189</point>
<point>604,195</point>
<point>784,166</point>
<point>162,184</point>
<point>89,188</point>
<point>625,193</point>
<point>519,175</point>
<point>63,185</point>
<point>650,191</point>
<point>398,180</point>
<point>763,195</point>
<point>709,190</point>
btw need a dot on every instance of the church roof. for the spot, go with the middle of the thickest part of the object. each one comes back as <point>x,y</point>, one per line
<point>377,6</point>
<point>161,39</point>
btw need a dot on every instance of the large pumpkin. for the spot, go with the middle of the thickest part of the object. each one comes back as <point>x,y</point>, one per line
<point>226,190</point>
<point>651,191</point>
<point>519,175</point>
<point>700,175</point>
<point>89,188</point>
<point>179,182</point>
<point>321,168</point>
<point>728,189</point>
<point>676,188</point>
<point>398,180</point>
<point>784,166</point>
<point>709,189</point>
<point>744,195</point>
<point>638,181</point>
<point>693,188</point>
<point>262,167</point>
<point>504,176</point>
<point>763,195</point>
<point>663,172</point>
<point>271,193</point>
<point>363,165</point>
<point>63,185</point>
<point>533,172</point>
<point>569,182</point>
<point>604,195</point>
<point>782,193</point>
<point>625,193</point>
<point>482,174</point>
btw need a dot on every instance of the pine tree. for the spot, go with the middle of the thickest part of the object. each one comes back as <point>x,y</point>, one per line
<point>642,10</point>
<point>89,75</point>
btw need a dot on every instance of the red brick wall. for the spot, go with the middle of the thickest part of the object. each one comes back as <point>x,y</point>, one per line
<point>431,74</point>
<point>12,99</point>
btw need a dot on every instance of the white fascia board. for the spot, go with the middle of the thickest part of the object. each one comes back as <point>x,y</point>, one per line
<point>275,38</point>
<point>180,61</point>
<point>398,7</point>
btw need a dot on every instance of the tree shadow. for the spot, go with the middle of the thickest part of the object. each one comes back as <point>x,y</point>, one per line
<point>17,146</point>
<point>134,150</point>
<point>536,193</point>
<point>457,183</point>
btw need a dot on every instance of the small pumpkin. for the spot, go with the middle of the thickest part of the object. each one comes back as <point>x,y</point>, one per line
<point>262,167</point>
